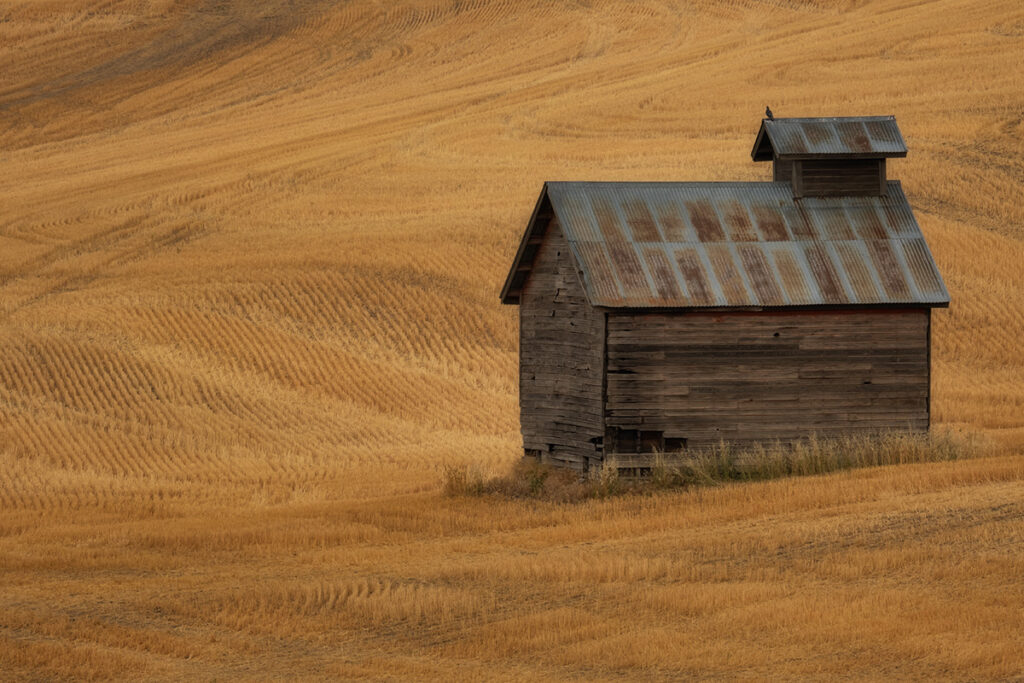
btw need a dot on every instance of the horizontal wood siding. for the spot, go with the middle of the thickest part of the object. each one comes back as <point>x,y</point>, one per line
<point>561,347</point>
<point>748,377</point>
<point>838,177</point>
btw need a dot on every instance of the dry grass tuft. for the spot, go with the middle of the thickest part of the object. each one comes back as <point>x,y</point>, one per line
<point>526,479</point>
<point>721,464</point>
<point>812,456</point>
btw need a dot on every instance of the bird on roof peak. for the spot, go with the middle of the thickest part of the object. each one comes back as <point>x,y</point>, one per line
<point>768,113</point>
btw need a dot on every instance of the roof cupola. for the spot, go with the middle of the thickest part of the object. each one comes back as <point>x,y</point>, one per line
<point>830,157</point>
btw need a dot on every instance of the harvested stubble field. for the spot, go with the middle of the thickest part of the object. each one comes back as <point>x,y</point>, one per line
<point>249,261</point>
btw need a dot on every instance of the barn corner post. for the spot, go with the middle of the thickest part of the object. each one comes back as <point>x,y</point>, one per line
<point>669,316</point>
<point>928,401</point>
<point>606,443</point>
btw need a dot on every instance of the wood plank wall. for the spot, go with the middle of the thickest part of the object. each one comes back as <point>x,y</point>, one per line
<point>748,377</point>
<point>782,170</point>
<point>561,363</point>
<point>840,177</point>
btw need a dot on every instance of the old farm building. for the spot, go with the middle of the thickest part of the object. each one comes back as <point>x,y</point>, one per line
<point>673,315</point>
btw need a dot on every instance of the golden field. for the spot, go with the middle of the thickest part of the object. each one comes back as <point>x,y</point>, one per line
<point>250,254</point>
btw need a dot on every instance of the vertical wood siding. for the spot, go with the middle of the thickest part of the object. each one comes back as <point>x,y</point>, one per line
<point>561,342</point>
<point>748,377</point>
<point>782,170</point>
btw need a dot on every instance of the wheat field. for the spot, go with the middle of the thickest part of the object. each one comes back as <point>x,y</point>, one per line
<point>250,255</point>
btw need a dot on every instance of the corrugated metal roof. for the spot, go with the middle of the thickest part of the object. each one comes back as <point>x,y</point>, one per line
<point>742,244</point>
<point>851,136</point>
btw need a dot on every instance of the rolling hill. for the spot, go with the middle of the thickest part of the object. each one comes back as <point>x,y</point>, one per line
<point>250,253</point>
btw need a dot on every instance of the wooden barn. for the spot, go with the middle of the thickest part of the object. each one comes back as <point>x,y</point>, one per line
<point>663,316</point>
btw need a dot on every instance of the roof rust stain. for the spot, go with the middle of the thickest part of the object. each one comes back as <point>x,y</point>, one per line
<point>857,272</point>
<point>800,223</point>
<point>672,223</point>
<point>759,273</point>
<point>889,268</point>
<point>640,221</point>
<point>704,220</point>
<point>770,223</point>
<point>854,136</point>
<point>825,275</point>
<point>607,219</point>
<point>793,282</point>
<point>597,270</point>
<point>627,264</point>
<point>693,275</point>
<point>867,223</point>
<point>835,225</point>
<point>738,222</point>
<point>727,273</point>
<point>818,133</point>
<point>629,270</point>
<point>663,274</point>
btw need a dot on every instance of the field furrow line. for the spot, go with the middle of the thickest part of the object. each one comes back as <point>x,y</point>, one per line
<point>105,382</point>
<point>98,394</point>
<point>54,360</point>
<point>100,240</point>
<point>27,366</point>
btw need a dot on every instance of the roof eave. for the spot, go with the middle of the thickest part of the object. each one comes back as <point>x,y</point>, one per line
<point>507,295</point>
<point>852,155</point>
<point>626,308</point>
<point>757,154</point>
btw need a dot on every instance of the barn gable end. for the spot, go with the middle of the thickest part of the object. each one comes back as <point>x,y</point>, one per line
<point>561,341</point>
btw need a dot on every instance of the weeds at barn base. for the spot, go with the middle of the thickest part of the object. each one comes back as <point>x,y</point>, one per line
<point>716,466</point>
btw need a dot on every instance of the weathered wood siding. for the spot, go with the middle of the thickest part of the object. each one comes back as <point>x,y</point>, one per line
<point>840,177</point>
<point>782,170</point>
<point>748,377</point>
<point>561,348</point>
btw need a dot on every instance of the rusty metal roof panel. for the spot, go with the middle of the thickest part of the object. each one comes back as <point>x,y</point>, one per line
<point>809,138</point>
<point>794,277</point>
<point>601,278</point>
<point>714,245</point>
